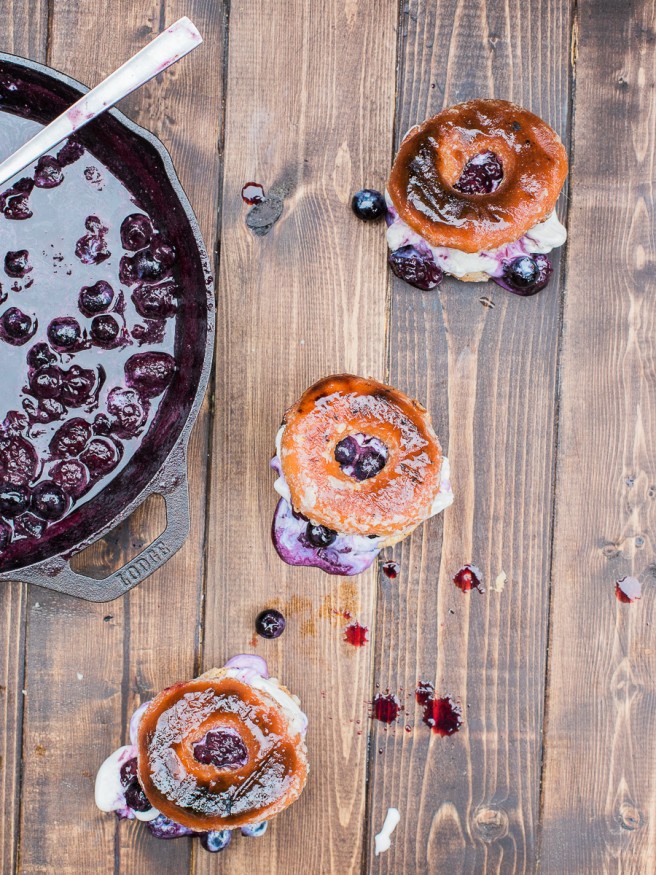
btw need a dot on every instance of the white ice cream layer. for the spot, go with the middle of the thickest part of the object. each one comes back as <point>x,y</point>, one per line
<point>289,704</point>
<point>542,238</point>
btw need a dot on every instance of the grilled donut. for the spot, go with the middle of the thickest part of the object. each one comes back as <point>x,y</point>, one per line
<point>220,752</point>
<point>360,457</point>
<point>431,180</point>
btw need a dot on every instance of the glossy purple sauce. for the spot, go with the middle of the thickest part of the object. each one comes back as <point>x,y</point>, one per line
<point>58,237</point>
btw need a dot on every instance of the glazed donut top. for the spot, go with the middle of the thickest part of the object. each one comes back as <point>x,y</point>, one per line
<point>423,184</point>
<point>392,501</point>
<point>216,753</point>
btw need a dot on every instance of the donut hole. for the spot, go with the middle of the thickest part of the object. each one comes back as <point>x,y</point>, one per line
<point>222,748</point>
<point>478,165</point>
<point>361,456</point>
<point>482,174</point>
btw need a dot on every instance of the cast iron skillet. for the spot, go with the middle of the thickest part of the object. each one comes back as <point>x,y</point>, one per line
<point>159,466</point>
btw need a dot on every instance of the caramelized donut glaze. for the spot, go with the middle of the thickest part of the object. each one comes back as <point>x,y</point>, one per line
<point>393,501</point>
<point>202,796</point>
<point>433,155</point>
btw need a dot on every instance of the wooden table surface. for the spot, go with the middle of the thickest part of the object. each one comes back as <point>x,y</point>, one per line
<point>547,406</point>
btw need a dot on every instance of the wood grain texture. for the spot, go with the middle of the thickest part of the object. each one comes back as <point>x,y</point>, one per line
<point>24,33</point>
<point>309,111</point>
<point>89,666</point>
<point>600,775</point>
<point>484,362</point>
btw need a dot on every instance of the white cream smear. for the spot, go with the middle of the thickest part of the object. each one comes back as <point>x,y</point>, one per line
<point>382,840</point>
<point>541,238</point>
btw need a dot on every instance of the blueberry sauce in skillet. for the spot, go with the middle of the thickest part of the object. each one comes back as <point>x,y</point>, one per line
<point>88,293</point>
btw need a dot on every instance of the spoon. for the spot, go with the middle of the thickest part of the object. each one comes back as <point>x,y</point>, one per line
<point>171,45</point>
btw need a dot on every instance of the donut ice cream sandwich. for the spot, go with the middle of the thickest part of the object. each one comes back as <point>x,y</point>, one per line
<point>222,752</point>
<point>472,193</point>
<point>359,467</point>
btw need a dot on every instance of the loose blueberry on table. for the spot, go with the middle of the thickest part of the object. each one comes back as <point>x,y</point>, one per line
<point>368,204</point>
<point>86,336</point>
<point>270,623</point>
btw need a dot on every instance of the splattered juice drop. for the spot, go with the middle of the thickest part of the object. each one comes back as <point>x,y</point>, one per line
<point>385,708</point>
<point>391,570</point>
<point>628,589</point>
<point>356,635</point>
<point>469,577</point>
<point>442,714</point>
<point>252,193</point>
<point>424,692</point>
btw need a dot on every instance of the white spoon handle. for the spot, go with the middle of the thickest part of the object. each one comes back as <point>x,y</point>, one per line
<point>171,45</point>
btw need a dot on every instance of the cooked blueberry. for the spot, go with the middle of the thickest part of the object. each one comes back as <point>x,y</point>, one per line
<point>136,232</point>
<point>415,267</point>
<point>70,438</point>
<point>40,355</point>
<point>149,372</point>
<point>320,536</point>
<point>92,249</point>
<point>482,174</point>
<point>346,450</point>
<point>46,382</point>
<point>48,173</point>
<point>270,623</point>
<point>70,152</point>
<point>105,330</point>
<point>254,830</point>
<point>78,385</point>
<point>17,327</point>
<point>49,500</point>
<point>152,265</point>
<point>163,828</point>
<point>223,749</point>
<point>5,535</point>
<point>64,332</point>
<point>17,263</point>
<point>156,301</point>
<point>14,202</point>
<point>102,424</point>
<point>369,463</point>
<point>96,298</point>
<point>525,275</point>
<point>29,526</point>
<point>215,840</point>
<point>136,798</point>
<point>368,204</point>
<point>44,411</point>
<point>14,499</point>
<point>18,461</point>
<point>101,456</point>
<point>130,411</point>
<point>72,476</point>
<point>129,772</point>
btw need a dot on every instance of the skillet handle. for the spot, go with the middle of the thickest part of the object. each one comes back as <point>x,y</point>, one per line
<point>175,493</point>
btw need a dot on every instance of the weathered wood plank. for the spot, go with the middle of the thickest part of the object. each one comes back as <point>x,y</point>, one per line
<point>129,649</point>
<point>310,110</point>
<point>487,371</point>
<point>23,34</point>
<point>600,771</point>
